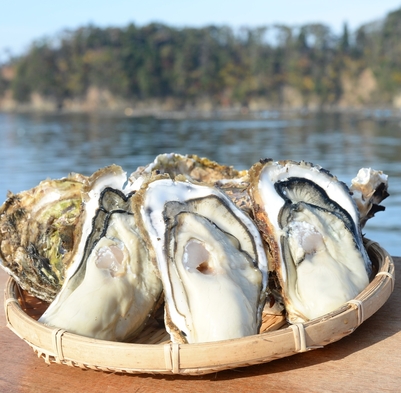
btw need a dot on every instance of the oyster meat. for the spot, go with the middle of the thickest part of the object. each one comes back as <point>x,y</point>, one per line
<point>111,287</point>
<point>36,234</point>
<point>210,257</point>
<point>311,225</point>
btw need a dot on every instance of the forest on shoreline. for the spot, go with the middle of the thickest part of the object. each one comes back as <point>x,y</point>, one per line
<point>170,68</point>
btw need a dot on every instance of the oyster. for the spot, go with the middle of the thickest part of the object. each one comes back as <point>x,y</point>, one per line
<point>36,234</point>
<point>311,226</point>
<point>210,257</point>
<point>369,189</point>
<point>111,286</point>
<point>195,169</point>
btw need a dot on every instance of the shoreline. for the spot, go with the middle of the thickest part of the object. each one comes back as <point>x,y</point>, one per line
<point>377,113</point>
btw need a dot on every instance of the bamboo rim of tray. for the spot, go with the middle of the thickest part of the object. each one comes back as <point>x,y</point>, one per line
<point>59,346</point>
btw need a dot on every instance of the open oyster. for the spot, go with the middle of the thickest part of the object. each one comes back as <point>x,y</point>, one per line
<point>210,257</point>
<point>36,234</point>
<point>111,286</point>
<point>311,226</point>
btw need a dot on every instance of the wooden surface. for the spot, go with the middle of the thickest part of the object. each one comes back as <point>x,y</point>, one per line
<point>368,360</point>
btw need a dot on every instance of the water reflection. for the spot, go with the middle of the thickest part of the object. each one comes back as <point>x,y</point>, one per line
<point>34,147</point>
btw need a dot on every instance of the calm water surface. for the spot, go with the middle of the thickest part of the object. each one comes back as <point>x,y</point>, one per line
<point>36,147</point>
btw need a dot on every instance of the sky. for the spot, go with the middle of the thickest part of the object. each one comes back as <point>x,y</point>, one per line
<point>23,21</point>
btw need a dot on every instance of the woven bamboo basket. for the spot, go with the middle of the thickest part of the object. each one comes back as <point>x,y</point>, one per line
<point>153,352</point>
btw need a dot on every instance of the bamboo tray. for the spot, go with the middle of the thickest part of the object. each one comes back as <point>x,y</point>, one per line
<point>153,353</point>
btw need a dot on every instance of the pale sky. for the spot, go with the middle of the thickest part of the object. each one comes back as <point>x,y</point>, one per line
<point>22,21</point>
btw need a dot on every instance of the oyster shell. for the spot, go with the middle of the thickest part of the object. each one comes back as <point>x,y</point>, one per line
<point>111,286</point>
<point>196,169</point>
<point>210,257</point>
<point>36,234</point>
<point>191,166</point>
<point>311,226</point>
<point>369,189</point>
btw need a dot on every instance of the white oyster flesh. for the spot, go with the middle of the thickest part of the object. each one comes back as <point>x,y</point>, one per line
<point>324,267</point>
<point>314,224</point>
<point>112,301</point>
<point>114,287</point>
<point>211,261</point>
<point>112,177</point>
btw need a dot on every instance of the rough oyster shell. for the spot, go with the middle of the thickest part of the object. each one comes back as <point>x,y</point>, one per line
<point>369,189</point>
<point>111,286</point>
<point>36,234</point>
<point>210,257</point>
<point>196,169</point>
<point>311,226</point>
<point>192,167</point>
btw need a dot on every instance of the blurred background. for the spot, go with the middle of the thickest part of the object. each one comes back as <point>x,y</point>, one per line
<point>87,84</point>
